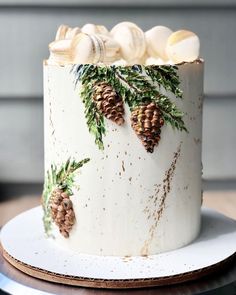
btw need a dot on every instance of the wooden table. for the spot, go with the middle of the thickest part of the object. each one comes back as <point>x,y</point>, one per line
<point>221,283</point>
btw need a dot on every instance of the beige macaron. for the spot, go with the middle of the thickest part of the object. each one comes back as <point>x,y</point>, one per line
<point>61,32</point>
<point>183,46</point>
<point>156,40</point>
<point>87,49</point>
<point>72,32</point>
<point>93,29</point>
<point>131,40</point>
<point>94,49</point>
<point>60,52</point>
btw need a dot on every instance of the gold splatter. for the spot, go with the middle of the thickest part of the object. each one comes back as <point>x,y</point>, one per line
<point>161,191</point>
<point>197,140</point>
<point>123,166</point>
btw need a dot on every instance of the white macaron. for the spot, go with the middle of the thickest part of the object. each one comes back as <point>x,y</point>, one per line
<point>131,40</point>
<point>183,46</point>
<point>156,40</point>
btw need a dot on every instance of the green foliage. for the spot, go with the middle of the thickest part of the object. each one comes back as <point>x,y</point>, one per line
<point>88,75</point>
<point>136,85</point>
<point>62,178</point>
<point>165,76</point>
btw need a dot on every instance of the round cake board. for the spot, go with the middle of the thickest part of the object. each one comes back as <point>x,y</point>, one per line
<point>26,247</point>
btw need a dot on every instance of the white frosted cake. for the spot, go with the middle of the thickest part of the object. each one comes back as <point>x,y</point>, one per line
<point>122,140</point>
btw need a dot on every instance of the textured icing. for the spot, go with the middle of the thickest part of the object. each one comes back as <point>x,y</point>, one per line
<point>129,202</point>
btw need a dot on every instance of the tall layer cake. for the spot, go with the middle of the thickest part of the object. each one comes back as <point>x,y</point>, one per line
<point>122,154</point>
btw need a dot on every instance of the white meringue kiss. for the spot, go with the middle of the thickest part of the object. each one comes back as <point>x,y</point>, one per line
<point>183,46</point>
<point>131,40</point>
<point>156,40</point>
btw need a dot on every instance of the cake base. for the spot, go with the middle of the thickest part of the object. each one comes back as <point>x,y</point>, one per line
<point>26,247</point>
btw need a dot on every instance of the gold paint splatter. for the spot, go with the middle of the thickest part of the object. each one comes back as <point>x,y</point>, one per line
<point>123,166</point>
<point>197,140</point>
<point>157,201</point>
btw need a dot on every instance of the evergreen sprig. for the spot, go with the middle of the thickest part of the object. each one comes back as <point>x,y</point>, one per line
<point>165,76</point>
<point>62,178</point>
<point>136,85</point>
<point>88,75</point>
<point>147,92</point>
<point>171,114</point>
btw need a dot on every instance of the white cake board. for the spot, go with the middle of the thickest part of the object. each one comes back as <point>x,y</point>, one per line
<point>26,247</point>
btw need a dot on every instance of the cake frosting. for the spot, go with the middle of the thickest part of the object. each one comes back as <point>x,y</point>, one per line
<point>113,184</point>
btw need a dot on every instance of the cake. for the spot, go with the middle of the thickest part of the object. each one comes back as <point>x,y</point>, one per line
<point>123,123</point>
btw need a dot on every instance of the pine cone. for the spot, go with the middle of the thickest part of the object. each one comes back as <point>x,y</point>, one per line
<point>108,102</point>
<point>62,211</point>
<point>147,121</point>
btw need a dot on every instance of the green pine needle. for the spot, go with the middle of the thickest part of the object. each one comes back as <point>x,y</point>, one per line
<point>136,85</point>
<point>62,178</point>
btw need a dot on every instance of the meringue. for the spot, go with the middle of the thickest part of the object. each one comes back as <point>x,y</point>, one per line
<point>156,40</point>
<point>183,46</point>
<point>131,40</point>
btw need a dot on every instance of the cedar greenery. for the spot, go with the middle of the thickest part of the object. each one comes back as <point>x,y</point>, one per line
<point>136,84</point>
<point>62,178</point>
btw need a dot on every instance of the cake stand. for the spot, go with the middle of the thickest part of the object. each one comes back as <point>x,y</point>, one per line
<point>25,246</point>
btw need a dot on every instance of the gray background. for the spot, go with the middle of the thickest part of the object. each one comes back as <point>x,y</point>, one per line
<point>26,28</point>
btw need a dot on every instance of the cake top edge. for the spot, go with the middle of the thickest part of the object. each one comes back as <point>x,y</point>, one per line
<point>196,62</point>
<point>126,44</point>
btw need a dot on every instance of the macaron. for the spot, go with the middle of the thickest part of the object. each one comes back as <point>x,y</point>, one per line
<point>112,49</point>
<point>60,52</point>
<point>72,32</point>
<point>131,40</point>
<point>94,29</point>
<point>156,40</point>
<point>61,32</point>
<point>183,46</point>
<point>87,49</point>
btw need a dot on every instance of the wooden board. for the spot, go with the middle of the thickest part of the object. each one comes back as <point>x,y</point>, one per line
<point>117,284</point>
<point>38,257</point>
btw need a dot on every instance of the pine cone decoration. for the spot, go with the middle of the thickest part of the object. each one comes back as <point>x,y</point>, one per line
<point>147,121</point>
<point>108,102</point>
<point>62,211</point>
